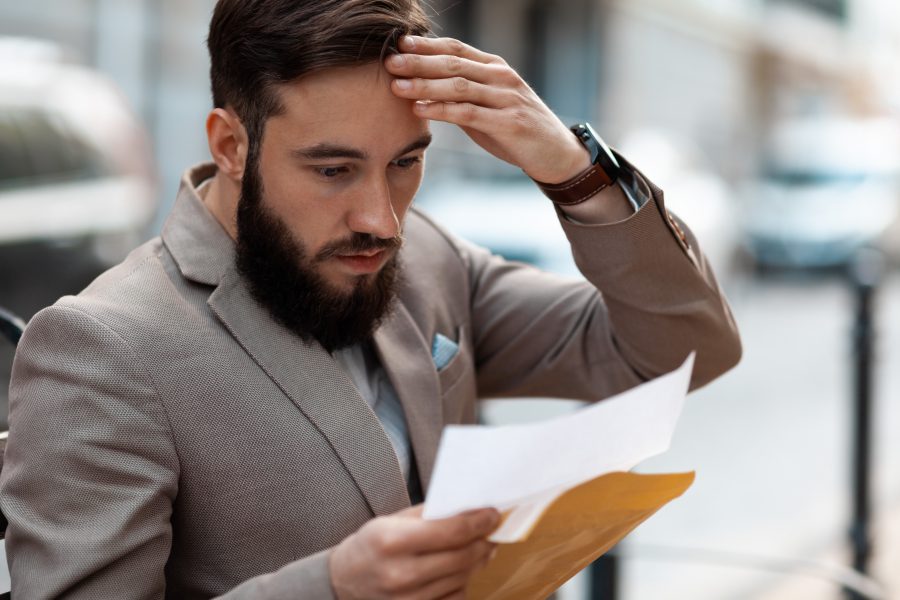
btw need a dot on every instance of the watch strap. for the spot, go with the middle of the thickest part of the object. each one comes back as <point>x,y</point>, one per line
<point>580,188</point>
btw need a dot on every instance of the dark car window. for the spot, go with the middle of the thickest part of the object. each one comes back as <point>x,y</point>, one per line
<point>36,149</point>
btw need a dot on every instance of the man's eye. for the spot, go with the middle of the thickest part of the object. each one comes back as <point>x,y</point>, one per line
<point>408,163</point>
<point>331,172</point>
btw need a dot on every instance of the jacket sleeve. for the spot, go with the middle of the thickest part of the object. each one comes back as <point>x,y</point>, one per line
<point>649,300</point>
<point>306,579</point>
<point>91,473</point>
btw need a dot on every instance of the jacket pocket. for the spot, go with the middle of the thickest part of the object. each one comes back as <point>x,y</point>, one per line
<point>457,380</point>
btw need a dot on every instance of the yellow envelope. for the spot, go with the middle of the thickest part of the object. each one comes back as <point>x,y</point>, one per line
<point>575,530</point>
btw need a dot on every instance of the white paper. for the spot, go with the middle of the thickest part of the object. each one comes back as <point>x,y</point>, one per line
<point>526,467</point>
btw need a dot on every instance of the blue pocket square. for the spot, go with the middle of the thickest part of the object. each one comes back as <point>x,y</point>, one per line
<point>443,349</point>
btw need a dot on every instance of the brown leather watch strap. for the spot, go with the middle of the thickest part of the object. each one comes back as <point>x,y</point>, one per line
<point>582,187</point>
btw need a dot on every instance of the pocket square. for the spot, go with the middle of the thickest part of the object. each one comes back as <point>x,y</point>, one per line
<point>443,349</point>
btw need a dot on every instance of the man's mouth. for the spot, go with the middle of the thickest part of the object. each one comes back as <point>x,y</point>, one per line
<point>367,253</point>
<point>362,263</point>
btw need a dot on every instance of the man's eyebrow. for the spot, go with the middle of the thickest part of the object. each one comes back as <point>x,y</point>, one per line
<point>325,151</point>
<point>420,144</point>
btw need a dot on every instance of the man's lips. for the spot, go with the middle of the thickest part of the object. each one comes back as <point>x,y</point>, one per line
<point>362,263</point>
<point>366,253</point>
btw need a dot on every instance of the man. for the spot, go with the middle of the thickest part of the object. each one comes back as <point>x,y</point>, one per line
<point>248,406</point>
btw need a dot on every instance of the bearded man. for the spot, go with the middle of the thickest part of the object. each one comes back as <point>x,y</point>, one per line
<point>249,406</point>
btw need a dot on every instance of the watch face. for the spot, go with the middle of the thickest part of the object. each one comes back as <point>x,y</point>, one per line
<point>600,152</point>
<point>586,136</point>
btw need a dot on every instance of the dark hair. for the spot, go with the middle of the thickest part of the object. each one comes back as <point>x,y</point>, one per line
<point>254,45</point>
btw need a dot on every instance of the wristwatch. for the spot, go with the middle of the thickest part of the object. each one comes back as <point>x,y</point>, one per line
<point>603,172</point>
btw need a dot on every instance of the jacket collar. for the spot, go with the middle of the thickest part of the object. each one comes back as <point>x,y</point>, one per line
<point>202,249</point>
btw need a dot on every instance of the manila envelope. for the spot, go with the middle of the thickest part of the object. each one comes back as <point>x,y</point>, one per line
<point>575,530</point>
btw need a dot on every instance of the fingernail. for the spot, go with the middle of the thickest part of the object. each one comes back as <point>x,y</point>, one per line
<point>397,60</point>
<point>421,107</point>
<point>403,84</point>
<point>408,41</point>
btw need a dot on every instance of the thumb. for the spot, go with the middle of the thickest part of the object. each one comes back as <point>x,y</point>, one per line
<point>412,511</point>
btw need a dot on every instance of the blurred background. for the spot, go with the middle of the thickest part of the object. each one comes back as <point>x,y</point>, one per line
<point>771,124</point>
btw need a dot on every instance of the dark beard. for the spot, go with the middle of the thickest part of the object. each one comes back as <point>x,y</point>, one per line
<point>283,279</point>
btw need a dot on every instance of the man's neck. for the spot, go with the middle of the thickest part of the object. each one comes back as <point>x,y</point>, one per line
<point>221,195</point>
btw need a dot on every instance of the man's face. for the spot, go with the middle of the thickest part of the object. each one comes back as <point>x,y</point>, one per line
<point>321,213</point>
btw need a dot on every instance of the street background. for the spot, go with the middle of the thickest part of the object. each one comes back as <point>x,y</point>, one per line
<point>762,120</point>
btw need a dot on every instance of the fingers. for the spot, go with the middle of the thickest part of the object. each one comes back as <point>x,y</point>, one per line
<point>444,564</point>
<point>452,533</point>
<point>457,89</point>
<point>414,511</point>
<point>447,66</point>
<point>458,531</point>
<point>447,587</point>
<point>462,85</point>
<point>455,83</point>
<point>462,114</point>
<point>436,575</point>
<point>448,46</point>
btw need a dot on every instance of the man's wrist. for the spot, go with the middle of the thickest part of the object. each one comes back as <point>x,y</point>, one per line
<point>581,188</point>
<point>592,169</point>
<point>579,161</point>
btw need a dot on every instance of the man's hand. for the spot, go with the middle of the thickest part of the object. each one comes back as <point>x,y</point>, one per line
<point>403,556</point>
<point>458,84</point>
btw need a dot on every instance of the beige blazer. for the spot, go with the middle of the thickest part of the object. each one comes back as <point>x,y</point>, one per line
<point>170,440</point>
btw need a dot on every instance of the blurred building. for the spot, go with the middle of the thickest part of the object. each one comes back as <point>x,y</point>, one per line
<point>719,73</point>
<point>715,72</point>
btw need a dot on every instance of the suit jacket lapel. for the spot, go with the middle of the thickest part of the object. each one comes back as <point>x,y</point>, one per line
<point>313,381</point>
<point>406,358</point>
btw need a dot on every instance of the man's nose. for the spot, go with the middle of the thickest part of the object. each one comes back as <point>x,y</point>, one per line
<point>374,214</point>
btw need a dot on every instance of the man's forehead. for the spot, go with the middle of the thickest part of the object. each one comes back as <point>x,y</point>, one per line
<point>348,106</point>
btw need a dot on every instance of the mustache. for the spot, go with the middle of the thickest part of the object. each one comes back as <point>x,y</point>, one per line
<point>358,243</point>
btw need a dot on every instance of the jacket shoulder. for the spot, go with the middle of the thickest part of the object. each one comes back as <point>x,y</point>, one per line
<point>134,294</point>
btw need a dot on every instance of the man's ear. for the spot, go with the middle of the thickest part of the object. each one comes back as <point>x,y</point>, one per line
<point>228,142</point>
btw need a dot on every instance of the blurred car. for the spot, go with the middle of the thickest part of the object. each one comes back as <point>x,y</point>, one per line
<point>75,163</point>
<point>829,187</point>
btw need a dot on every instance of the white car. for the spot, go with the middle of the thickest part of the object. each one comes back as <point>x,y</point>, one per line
<point>829,188</point>
<point>75,163</point>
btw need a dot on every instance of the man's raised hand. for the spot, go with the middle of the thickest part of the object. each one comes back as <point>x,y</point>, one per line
<point>456,83</point>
